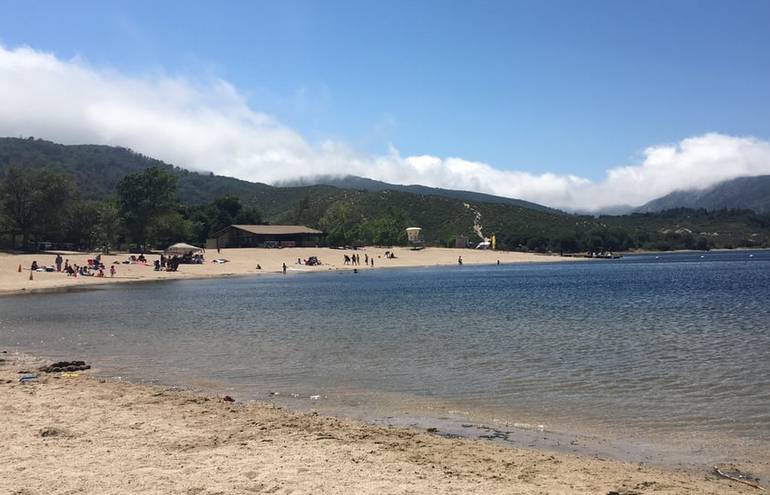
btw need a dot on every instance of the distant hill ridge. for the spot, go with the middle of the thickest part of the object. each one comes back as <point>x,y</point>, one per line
<point>98,168</point>
<point>371,185</point>
<point>748,193</point>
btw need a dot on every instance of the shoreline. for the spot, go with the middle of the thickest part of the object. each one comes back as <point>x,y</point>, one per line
<point>695,251</point>
<point>178,441</point>
<point>242,262</point>
<point>457,420</point>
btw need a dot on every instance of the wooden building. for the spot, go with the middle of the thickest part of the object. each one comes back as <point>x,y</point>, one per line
<point>243,236</point>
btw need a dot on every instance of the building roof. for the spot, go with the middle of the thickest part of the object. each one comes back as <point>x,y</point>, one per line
<point>274,229</point>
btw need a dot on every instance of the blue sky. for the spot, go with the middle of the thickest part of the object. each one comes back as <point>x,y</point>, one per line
<point>559,87</point>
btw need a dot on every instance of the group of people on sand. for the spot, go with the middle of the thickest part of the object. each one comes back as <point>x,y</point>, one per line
<point>309,261</point>
<point>355,260</point>
<point>93,267</point>
<point>167,263</point>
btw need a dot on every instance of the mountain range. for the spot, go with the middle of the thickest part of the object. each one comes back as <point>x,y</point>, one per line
<point>745,193</point>
<point>351,208</point>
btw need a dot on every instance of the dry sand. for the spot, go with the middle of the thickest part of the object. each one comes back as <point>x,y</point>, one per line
<point>241,262</point>
<point>82,435</point>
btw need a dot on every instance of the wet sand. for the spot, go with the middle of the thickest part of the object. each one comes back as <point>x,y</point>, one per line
<point>241,262</point>
<point>78,434</point>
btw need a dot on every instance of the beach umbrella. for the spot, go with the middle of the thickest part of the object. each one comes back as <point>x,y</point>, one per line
<point>182,248</point>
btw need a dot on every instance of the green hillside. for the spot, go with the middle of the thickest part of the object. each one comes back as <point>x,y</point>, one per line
<point>202,203</point>
<point>97,169</point>
<point>364,184</point>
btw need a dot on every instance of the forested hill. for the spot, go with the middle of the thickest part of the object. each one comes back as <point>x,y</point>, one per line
<point>203,203</point>
<point>370,185</point>
<point>749,193</point>
<point>98,169</point>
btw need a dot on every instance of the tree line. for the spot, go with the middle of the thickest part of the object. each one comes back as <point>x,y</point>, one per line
<point>42,208</point>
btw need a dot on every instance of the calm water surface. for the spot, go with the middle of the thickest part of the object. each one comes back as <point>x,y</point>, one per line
<point>673,346</point>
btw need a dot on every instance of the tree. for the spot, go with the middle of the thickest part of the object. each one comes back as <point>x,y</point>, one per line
<point>81,221</point>
<point>170,228</point>
<point>143,199</point>
<point>106,230</point>
<point>94,225</point>
<point>390,230</point>
<point>338,221</point>
<point>702,244</point>
<point>222,212</point>
<point>36,201</point>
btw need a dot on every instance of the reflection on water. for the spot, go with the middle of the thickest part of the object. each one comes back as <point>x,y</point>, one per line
<point>659,345</point>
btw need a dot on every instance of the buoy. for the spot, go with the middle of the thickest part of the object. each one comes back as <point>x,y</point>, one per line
<point>19,267</point>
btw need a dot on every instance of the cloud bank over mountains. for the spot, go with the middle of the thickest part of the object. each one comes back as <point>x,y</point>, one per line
<point>209,126</point>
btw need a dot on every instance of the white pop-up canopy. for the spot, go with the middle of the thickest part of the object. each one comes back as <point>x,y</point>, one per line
<point>182,248</point>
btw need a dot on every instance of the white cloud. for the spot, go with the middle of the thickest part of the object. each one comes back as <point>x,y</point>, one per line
<point>209,126</point>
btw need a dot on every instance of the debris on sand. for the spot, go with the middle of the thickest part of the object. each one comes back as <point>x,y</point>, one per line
<point>62,366</point>
<point>735,474</point>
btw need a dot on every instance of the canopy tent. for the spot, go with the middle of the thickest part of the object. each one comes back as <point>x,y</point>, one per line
<point>182,248</point>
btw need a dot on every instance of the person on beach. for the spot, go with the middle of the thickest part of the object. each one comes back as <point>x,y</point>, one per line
<point>284,268</point>
<point>34,266</point>
<point>58,262</point>
<point>372,260</point>
<point>459,260</point>
<point>112,270</point>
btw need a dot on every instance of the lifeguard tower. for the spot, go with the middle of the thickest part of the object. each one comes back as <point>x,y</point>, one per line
<point>414,236</point>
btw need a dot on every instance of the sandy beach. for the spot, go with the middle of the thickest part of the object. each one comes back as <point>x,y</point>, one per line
<point>72,433</point>
<point>240,262</point>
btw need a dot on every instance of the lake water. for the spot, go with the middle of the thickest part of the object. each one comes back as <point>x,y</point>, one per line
<point>670,350</point>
